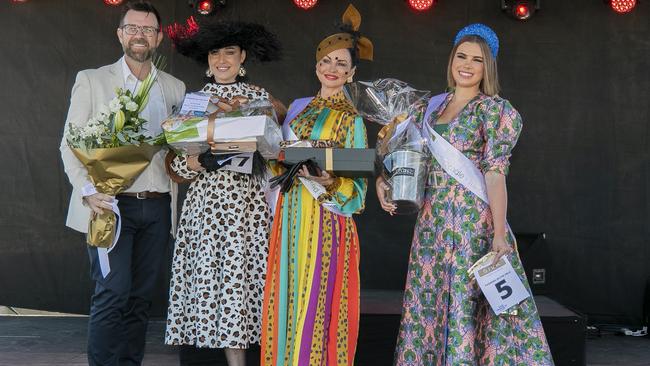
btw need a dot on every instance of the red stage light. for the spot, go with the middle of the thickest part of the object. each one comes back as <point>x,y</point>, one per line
<point>305,4</point>
<point>113,2</point>
<point>205,7</point>
<point>623,6</point>
<point>522,11</point>
<point>421,5</point>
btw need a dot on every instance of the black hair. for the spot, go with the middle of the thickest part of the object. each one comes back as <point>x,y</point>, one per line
<point>140,5</point>
<point>354,52</point>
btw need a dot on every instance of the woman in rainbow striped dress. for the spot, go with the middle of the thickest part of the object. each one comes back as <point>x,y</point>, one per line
<point>311,302</point>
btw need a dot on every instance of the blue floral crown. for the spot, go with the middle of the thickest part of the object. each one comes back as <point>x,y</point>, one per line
<point>483,31</point>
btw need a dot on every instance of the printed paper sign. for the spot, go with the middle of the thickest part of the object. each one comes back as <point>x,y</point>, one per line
<point>501,285</point>
<point>195,103</point>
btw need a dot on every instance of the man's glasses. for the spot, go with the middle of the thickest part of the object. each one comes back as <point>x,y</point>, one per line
<point>132,30</point>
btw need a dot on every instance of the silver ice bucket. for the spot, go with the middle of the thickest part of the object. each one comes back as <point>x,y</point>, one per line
<point>408,173</point>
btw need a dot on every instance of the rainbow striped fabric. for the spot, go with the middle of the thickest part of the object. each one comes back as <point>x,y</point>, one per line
<point>311,301</point>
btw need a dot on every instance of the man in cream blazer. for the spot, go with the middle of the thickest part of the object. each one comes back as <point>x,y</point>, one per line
<point>125,276</point>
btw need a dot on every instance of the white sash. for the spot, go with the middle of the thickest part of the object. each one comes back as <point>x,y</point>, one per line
<point>454,162</point>
<point>295,108</point>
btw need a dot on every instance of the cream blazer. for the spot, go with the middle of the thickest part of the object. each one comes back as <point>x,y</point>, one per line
<point>91,89</point>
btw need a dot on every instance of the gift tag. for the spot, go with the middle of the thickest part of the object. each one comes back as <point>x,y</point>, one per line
<point>195,103</point>
<point>501,285</point>
<point>241,163</point>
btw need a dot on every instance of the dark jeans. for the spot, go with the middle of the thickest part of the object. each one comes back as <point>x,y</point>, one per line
<point>119,310</point>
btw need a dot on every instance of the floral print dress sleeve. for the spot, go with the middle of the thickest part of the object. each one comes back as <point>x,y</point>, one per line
<point>501,128</point>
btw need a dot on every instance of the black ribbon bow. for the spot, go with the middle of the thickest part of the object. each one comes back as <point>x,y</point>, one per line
<point>285,180</point>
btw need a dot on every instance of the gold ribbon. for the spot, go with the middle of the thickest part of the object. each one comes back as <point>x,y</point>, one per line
<point>346,40</point>
<point>386,133</point>
<point>210,131</point>
<point>329,159</point>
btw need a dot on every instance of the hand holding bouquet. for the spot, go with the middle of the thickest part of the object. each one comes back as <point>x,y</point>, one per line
<point>114,149</point>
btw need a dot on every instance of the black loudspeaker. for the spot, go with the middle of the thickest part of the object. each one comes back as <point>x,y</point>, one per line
<point>565,331</point>
<point>536,258</point>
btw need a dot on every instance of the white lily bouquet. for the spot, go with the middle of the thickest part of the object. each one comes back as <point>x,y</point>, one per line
<point>114,149</point>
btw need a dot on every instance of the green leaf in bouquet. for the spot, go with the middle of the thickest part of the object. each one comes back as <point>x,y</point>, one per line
<point>120,137</point>
<point>156,140</point>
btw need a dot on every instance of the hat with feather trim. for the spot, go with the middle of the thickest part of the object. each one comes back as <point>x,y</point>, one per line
<point>349,38</point>
<point>196,39</point>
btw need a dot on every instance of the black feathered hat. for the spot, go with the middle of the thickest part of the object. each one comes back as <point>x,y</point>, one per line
<point>197,39</point>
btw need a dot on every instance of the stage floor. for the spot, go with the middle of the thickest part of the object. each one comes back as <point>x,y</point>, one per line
<point>41,341</point>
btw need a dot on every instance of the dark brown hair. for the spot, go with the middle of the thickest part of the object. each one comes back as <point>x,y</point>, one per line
<point>143,6</point>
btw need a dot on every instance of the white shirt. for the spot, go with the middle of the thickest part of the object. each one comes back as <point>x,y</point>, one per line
<point>154,178</point>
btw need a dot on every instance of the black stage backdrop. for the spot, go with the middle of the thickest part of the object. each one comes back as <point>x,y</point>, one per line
<point>577,72</point>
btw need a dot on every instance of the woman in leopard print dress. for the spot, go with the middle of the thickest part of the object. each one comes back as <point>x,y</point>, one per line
<point>219,265</point>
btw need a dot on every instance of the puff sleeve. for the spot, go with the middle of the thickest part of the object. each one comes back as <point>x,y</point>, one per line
<point>501,128</point>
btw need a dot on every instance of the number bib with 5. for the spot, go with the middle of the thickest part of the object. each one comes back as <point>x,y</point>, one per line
<point>501,285</point>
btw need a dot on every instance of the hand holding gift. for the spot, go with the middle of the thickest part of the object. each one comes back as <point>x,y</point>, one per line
<point>232,125</point>
<point>400,144</point>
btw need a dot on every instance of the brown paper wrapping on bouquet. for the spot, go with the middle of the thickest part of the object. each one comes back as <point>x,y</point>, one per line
<point>112,171</point>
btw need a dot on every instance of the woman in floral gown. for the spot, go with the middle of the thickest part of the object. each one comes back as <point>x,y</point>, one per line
<point>311,300</point>
<point>446,320</point>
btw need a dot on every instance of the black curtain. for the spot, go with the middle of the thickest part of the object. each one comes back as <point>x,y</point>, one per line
<point>577,72</point>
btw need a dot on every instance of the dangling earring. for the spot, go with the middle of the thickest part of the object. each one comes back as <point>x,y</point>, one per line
<point>350,80</point>
<point>242,71</point>
<point>208,73</point>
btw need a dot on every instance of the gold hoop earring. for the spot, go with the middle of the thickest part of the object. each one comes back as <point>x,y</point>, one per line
<point>242,71</point>
<point>208,73</point>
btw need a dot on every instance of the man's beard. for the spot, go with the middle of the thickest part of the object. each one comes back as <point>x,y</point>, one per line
<point>140,56</point>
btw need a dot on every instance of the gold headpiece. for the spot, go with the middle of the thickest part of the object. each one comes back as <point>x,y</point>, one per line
<point>338,41</point>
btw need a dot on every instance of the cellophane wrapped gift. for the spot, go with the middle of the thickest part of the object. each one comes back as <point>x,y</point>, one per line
<point>400,143</point>
<point>394,104</point>
<point>254,122</point>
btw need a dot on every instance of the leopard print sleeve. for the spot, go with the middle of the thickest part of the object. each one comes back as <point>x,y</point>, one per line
<point>179,166</point>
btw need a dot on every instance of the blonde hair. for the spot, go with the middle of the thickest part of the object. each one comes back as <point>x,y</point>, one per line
<point>490,82</point>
